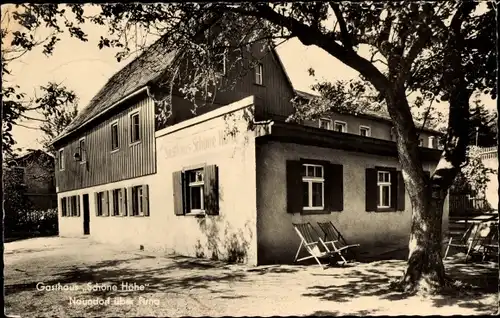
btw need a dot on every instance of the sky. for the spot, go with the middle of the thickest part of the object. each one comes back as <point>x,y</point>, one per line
<point>84,68</point>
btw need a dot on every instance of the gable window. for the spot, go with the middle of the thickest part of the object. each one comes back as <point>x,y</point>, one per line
<point>340,126</point>
<point>61,159</point>
<point>325,123</point>
<point>114,136</point>
<point>196,191</point>
<point>135,129</point>
<point>82,150</point>
<point>365,131</point>
<point>259,69</point>
<point>102,203</point>
<point>384,187</point>
<point>313,184</point>
<point>384,190</point>
<point>118,199</point>
<point>431,141</point>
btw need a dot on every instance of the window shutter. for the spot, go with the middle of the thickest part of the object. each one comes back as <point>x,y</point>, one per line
<point>400,206</point>
<point>334,187</point>
<point>111,203</point>
<point>123,208</point>
<point>394,190</point>
<point>435,142</point>
<point>294,188</point>
<point>130,200</point>
<point>63,207</point>
<point>68,206</point>
<point>105,207</point>
<point>178,182</point>
<point>96,203</point>
<point>145,199</point>
<point>78,206</point>
<point>371,189</point>
<point>211,190</point>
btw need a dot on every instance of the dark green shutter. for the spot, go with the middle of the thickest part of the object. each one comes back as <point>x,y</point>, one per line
<point>145,199</point>
<point>105,206</point>
<point>178,182</point>
<point>78,205</point>
<point>211,190</point>
<point>96,203</point>
<point>111,203</point>
<point>130,202</point>
<point>294,189</point>
<point>334,187</point>
<point>371,189</point>
<point>401,192</point>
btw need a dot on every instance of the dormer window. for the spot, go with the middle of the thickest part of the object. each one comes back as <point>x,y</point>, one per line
<point>365,131</point>
<point>325,123</point>
<point>340,126</point>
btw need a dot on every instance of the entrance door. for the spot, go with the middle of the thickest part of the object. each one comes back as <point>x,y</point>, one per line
<point>86,215</point>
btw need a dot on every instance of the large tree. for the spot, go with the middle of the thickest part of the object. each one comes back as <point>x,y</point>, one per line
<point>443,51</point>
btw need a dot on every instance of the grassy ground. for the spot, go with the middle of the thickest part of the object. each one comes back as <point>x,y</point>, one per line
<point>179,286</point>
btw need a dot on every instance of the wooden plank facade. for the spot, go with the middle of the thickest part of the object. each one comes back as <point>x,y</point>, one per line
<point>104,165</point>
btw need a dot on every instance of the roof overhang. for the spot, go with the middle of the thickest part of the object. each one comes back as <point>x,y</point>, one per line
<point>305,135</point>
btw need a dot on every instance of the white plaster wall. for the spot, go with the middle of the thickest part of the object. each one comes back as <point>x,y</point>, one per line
<point>278,242</point>
<point>209,143</point>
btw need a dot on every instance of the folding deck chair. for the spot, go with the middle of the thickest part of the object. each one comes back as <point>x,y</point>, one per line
<point>490,244</point>
<point>310,240</point>
<point>473,238</point>
<point>335,239</point>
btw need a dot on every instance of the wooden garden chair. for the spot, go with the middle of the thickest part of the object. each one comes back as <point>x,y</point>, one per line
<point>473,239</point>
<point>310,240</point>
<point>334,238</point>
<point>490,243</point>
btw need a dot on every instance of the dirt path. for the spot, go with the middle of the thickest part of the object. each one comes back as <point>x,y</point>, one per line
<point>93,279</point>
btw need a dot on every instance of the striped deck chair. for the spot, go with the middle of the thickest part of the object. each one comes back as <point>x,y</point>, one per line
<point>334,238</point>
<point>472,240</point>
<point>310,240</point>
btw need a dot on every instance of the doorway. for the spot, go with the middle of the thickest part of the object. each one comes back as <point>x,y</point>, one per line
<point>86,215</point>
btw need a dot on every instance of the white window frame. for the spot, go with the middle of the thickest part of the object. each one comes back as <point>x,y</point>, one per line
<point>380,186</point>
<point>368,130</point>
<point>259,74</point>
<point>340,122</point>
<point>329,126</point>
<point>310,180</point>
<point>82,151</point>
<point>61,159</point>
<point>431,141</point>
<point>115,123</point>
<point>201,185</point>
<point>131,125</point>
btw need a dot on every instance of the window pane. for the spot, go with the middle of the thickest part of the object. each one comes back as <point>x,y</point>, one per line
<point>319,172</point>
<point>310,171</point>
<point>305,199</point>
<point>195,196</point>
<point>385,196</point>
<point>317,194</point>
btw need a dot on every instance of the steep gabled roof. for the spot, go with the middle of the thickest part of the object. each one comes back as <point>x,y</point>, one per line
<point>381,114</point>
<point>135,75</point>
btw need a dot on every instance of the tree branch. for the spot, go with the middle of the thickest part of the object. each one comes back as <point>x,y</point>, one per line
<point>345,37</point>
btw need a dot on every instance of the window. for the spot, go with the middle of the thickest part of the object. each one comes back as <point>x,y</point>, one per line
<point>101,202</point>
<point>82,150</point>
<point>365,131</point>
<point>340,126</point>
<point>421,142</point>
<point>325,123</point>
<point>61,159</point>
<point>114,136</point>
<point>259,68</point>
<point>70,206</point>
<point>118,202</point>
<point>196,191</point>
<point>64,207</point>
<point>313,187</point>
<point>384,187</point>
<point>431,141</point>
<point>137,198</point>
<point>385,191</point>
<point>135,129</point>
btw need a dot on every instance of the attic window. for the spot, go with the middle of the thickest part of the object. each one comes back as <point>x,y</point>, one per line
<point>61,159</point>
<point>135,129</point>
<point>259,69</point>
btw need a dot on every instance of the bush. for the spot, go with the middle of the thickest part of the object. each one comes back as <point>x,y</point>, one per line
<point>32,223</point>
